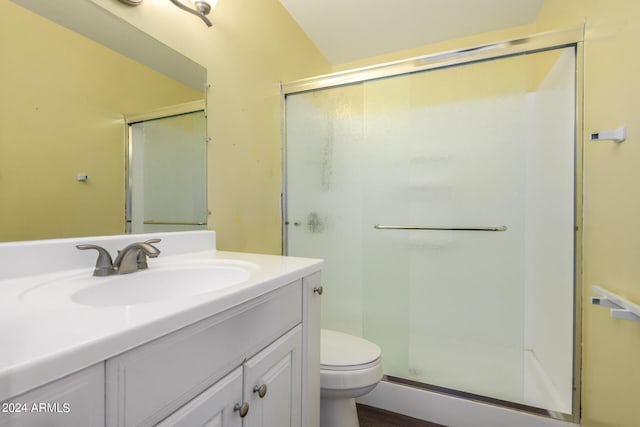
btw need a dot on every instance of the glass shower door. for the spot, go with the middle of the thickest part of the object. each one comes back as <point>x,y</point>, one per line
<point>443,203</point>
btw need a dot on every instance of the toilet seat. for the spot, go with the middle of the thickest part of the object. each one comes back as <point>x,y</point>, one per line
<point>343,352</point>
<point>350,367</point>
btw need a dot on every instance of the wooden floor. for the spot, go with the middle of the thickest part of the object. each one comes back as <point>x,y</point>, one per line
<point>374,417</point>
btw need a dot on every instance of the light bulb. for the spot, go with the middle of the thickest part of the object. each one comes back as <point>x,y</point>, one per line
<point>204,6</point>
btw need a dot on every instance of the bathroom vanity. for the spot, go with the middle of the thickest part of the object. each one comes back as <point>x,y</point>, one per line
<point>244,354</point>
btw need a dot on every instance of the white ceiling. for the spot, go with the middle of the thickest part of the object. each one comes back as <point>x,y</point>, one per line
<point>348,30</point>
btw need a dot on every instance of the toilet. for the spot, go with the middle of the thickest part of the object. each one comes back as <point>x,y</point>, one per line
<point>350,367</point>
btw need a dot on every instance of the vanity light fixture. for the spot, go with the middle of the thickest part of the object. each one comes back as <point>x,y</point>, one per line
<point>201,8</point>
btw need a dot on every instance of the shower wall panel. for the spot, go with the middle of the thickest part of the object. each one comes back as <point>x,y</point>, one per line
<point>549,269</point>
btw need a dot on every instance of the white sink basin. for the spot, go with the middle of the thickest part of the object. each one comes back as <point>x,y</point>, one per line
<point>155,284</point>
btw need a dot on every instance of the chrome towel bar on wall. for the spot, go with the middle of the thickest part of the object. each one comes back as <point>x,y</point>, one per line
<point>416,227</point>
<point>621,308</point>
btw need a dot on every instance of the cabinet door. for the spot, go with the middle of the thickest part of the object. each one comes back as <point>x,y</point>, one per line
<point>75,400</point>
<point>272,383</point>
<point>214,407</point>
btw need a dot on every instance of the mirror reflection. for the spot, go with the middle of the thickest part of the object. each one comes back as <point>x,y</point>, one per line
<point>63,104</point>
<point>167,173</point>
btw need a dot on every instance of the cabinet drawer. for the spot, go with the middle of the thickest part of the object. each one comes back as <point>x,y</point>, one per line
<point>149,382</point>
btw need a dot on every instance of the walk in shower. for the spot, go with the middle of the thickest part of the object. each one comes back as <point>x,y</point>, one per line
<point>446,205</point>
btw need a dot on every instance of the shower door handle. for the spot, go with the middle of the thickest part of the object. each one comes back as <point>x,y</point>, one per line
<point>416,227</point>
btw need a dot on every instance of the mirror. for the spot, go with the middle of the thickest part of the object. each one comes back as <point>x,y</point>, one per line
<point>63,102</point>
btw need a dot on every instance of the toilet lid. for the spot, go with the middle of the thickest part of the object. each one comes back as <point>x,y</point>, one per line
<point>338,350</point>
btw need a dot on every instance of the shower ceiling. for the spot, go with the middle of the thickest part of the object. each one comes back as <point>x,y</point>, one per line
<point>348,30</point>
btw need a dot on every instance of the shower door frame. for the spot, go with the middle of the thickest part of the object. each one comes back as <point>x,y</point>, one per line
<point>573,37</point>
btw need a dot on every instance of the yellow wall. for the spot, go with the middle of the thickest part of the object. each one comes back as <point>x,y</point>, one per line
<point>252,46</point>
<point>62,99</point>
<point>612,212</point>
<point>611,348</point>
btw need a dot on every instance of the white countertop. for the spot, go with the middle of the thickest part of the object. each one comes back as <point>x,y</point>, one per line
<point>44,341</point>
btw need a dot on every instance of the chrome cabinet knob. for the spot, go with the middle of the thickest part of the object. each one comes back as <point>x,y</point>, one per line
<point>261,390</point>
<point>318,290</point>
<point>243,409</point>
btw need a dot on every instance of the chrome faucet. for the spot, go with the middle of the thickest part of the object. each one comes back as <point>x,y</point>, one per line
<point>132,258</point>
<point>104,265</point>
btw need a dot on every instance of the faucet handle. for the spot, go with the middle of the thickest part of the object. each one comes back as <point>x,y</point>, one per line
<point>142,257</point>
<point>104,263</point>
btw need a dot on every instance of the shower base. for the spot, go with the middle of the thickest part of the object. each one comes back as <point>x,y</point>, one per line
<point>451,410</point>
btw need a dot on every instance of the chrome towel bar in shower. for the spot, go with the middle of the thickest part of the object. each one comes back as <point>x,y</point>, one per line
<point>150,222</point>
<point>415,227</point>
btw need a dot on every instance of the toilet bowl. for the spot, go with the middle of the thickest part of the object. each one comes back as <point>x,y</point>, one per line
<point>350,367</point>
